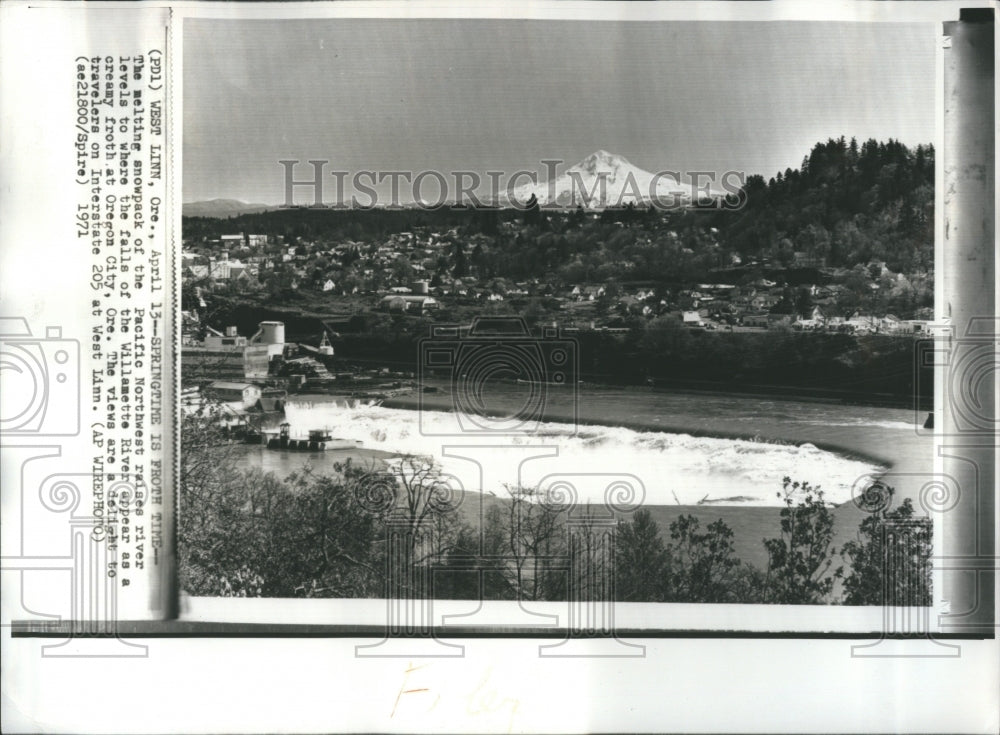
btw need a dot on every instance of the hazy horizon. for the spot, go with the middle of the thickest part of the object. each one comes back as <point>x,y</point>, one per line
<point>503,95</point>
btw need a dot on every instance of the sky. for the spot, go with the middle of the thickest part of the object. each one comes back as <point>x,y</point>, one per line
<point>445,95</point>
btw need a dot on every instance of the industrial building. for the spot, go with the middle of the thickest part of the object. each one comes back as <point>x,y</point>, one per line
<point>230,356</point>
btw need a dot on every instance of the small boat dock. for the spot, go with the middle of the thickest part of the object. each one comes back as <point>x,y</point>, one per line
<point>318,440</point>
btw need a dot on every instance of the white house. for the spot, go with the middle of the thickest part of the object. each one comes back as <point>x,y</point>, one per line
<point>408,303</point>
<point>245,393</point>
<point>863,323</point>
<point>755,319</point>
<point>691,319</point>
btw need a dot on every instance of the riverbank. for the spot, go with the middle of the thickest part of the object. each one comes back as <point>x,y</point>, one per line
<point>788,393</point>
<point>876,370</point>
<point>920,404</point>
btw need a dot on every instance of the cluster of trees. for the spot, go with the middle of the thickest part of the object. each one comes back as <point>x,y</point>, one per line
<point>701,566</point>
<point>395,530</point>
<point>847,203</point>
<point>665,351</point>
<point>244,533</point>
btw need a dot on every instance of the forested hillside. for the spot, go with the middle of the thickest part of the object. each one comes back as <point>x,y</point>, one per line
<point>846,204</point>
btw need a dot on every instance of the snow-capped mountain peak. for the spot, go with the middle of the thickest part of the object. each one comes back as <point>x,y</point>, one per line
<point>603,162</point>
<point>604,179</point>
<point>602,159</point>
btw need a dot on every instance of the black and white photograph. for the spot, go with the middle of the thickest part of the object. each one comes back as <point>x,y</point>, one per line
<point>671,275</point>
<point>545,366</point>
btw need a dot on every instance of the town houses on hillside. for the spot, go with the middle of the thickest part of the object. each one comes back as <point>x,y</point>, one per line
<point>402,274</point>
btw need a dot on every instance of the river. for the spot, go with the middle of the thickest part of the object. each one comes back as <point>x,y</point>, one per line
<point>686,448</point>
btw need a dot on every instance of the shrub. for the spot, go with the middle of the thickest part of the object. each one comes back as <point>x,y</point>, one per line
<point>701,566</point>
<point>897,572</point>
<point>799,561</point>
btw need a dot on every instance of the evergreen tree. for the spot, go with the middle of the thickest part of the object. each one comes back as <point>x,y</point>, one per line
<point>640,560</point>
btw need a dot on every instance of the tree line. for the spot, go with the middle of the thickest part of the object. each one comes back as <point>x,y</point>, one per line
<point>661,351</point>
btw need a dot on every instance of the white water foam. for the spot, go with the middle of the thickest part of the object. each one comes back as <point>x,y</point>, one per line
<point>673,468</point>
<point>891,425</point>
